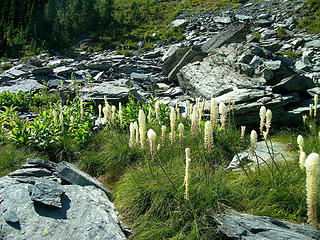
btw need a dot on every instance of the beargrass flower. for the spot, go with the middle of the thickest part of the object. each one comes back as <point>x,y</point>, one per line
<point>223,112</point>
<point>268,121</point>
<point>253,140</point>
<point>310,110</point>
<point>142,128</point>
<point>208,135</point>
<point>100,108</point>
<point>187,152</point>
<point>172,124</point>
<point>200,115</point>
<point>132,137</point>
<point>187,178</point>
<point>105,114</point>
<point>300,142</point>
<point>312,166</point>
<point>177,109</point>
<point>180,129</point>
<point>189,110</point>
<point>121,117</point>
<point>262,114</point>
<point>243,132</point>
<point>158,147</point>
<point>194,122</point>
<point>213,113</point>
<point>152,141</point>
<point>136,128</point>
<point>163,133</point>
<point>113,114</point>
<point>315,104</point>
<point>187,174</point>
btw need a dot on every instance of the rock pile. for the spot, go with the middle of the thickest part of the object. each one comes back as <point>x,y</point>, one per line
<point>247,60</point>
<point>253,54</point>
<point>44,200</point>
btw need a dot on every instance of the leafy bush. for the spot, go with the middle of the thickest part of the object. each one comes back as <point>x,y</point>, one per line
<point>26,101</point>
<point>59,130</point>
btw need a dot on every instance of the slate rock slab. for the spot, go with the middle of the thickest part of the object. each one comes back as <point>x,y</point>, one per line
<point>86,214</point>
<point>47,191</point>
<point>41,163</point>
<point>71,174</point>
<point>233,33</point>
<point>24,85</point>
<point>235,225</point>
<point>276,152</point>
<point>32,172</point>
<point>293,83</point>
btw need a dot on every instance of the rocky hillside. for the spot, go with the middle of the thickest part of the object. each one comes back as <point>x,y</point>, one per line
<point>252,55</point>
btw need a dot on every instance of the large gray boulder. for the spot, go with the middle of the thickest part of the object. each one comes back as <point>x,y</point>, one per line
<point>86,213</point>
<point>46,206</point>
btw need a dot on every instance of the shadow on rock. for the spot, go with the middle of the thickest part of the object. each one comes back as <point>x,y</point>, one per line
<point>53,212</point>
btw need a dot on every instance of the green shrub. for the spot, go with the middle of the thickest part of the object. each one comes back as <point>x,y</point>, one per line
<point>6,66</point>
<point>281,32</point>
<point>290,54</point>
<point>125,52</point>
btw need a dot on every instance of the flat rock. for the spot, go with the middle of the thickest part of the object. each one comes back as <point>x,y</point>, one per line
<point>153,54</point>
<point>235,225</point>
<point>233,33</point>
<point>47,192</point>
<point>243,17</point>
<point>14,73</point>
<point>224,19</point>
<point>177,22</point>
<point>42,71</point>
<point>34,172</point>
<point>273,65</point>
<point>41,163</point>
<point>295,83</point>
<point>313,43</point>
<point>264,153</point>
<point>64,70</point>
<point>24,85</point>
<point>140,77</point>
<point>173,48</point>
<point>111,91</point>
<point>99,66</point>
